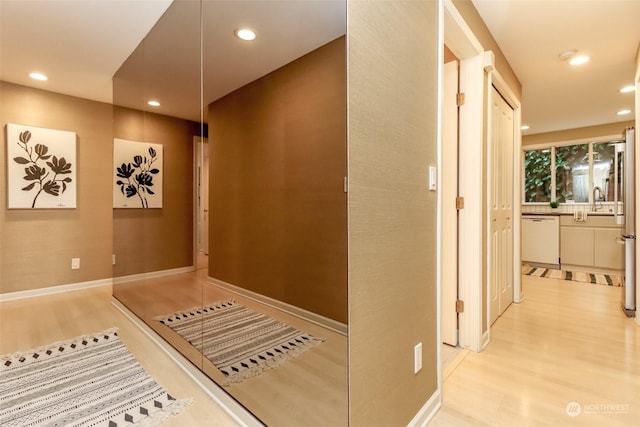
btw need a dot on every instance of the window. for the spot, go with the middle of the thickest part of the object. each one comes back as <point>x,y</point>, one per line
<point>603,157</point>
<point>537,175</point>
<point>579,170</point>
<point>572,173</point>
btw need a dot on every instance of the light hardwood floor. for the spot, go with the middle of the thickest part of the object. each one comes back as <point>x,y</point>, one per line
<point>567,342</point>
<point>316,380</point>
<point>34,322</point>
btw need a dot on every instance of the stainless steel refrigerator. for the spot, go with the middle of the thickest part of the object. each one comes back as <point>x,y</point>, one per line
<point>626,163</point>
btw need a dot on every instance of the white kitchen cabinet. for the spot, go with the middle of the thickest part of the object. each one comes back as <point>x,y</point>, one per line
<point>591,243</point>
<point>577,245</point>
<point>608,253</point>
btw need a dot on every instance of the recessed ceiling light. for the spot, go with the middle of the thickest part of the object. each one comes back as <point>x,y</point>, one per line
<point>579,60</point>
<point>38,76</point>
<point>567,54</point>
<point>154,103</point>
<point>524,127</point>
<point>623,112</point>
<point>245,34</point>
<point>628,89</point>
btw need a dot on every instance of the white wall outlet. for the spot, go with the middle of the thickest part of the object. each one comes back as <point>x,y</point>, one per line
<point>75,263</point>
<point>417,358</point>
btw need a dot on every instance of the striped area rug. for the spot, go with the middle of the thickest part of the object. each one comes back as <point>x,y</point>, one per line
<point>240,342</point>
<point>576,276</point>
<point>91,380</point>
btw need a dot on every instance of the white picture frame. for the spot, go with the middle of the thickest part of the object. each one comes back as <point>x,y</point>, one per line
<point>41,168</point>
<point>137,174</point>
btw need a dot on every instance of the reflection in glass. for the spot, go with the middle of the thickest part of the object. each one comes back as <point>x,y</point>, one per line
<point>254,208</point>
<point>603,173</point>
<point>572,173</point>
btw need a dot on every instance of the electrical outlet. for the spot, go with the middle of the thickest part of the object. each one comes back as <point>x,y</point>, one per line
<point>417,358</point>
<point>75,263</point>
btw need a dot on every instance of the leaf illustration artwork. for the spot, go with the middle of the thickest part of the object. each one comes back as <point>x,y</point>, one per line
<point>43,171</point>
<point>137,176</point>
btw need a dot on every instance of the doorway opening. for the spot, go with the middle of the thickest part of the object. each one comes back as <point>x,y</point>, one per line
<point>201,203</point>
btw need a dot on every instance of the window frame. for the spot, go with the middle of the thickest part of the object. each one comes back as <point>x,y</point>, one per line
<point>552,146</point>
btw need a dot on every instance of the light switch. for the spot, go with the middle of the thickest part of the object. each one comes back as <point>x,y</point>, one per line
<point>417,358</point>
<point>433,178</point>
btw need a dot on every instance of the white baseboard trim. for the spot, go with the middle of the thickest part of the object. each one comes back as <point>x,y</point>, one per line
<point>229,405</point>
<point>484,340</point>
<point>309,316</point>
<point>152,274</point>
<point>32,293</point>
<point>428,411</point>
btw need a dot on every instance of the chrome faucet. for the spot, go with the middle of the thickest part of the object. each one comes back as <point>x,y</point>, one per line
<point>599,199</point>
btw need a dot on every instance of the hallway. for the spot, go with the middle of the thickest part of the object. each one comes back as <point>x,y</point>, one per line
<point>545,354</point>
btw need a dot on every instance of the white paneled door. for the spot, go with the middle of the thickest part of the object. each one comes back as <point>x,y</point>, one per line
<point>500,175</point>
<point>449,190</point>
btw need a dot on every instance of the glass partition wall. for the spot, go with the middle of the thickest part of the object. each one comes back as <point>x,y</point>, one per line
<point>247,150</point>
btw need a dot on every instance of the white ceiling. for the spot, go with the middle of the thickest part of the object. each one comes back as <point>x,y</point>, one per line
<point>531,34</point>
<point>80,44</point>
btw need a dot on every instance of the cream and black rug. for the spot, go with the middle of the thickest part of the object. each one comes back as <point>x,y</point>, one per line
<point>240,342</point>
<point>576,276</point>
<point>91,380</point>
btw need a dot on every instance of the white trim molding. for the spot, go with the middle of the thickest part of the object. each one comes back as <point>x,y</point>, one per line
<point>428,411</point>
<point>152,274</point>
<point>301,313</point>
<point>51,290</point>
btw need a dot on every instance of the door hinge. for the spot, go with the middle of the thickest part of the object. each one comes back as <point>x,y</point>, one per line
<point>459,306</point>
<point>346,184</point>
<point>459,203</point>
<point>459,99</point>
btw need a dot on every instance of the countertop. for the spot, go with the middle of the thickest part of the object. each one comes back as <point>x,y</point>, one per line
<point>565,213</point>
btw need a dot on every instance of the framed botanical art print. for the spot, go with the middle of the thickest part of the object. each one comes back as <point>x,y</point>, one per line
<point>41,168</point>
<point>137,179</point>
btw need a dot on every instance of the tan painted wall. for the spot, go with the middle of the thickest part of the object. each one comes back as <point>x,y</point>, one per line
<point>392,80</point>
<point>482,33</point>
<point>278,213</point>
<point>146,240</point>
<point>37,245</point>
<point>578,133</point>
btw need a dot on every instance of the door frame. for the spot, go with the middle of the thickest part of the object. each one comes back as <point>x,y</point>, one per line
<point>198,160</point>
<point>637,163</point>
<point>477,70</point>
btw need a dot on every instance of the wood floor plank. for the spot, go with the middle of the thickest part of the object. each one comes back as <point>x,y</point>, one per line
<point>567,342</point>
<point>34,322</point>
<point>316,380</point>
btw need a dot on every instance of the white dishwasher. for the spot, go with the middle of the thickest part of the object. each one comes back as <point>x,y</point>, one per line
<point>541,240</point>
